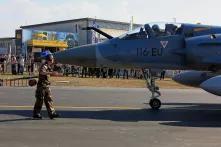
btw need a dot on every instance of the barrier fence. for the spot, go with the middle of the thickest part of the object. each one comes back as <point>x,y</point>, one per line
<point>16,82</point>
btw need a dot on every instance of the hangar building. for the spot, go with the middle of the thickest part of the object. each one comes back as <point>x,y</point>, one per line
<point>61,35</point>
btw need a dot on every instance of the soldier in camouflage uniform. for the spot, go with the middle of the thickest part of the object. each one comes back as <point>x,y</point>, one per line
<point>43,92</point>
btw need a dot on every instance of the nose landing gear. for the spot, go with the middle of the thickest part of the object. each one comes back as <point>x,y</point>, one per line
<point>155,103</point>
<point>150,79</point>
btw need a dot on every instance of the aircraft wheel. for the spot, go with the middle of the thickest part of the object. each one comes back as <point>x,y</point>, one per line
<point>155,103</point>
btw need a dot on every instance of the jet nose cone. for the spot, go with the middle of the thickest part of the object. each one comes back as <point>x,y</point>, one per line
<point>82,56</point>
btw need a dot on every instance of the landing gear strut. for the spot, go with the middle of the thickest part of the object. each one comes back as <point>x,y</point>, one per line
<point>150,78</point>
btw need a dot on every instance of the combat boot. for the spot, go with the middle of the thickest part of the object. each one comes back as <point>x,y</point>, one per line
<point>53,115</point>
<point>37,116</point>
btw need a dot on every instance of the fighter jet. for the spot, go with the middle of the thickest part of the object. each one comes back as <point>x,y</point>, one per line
<point>154,47</point>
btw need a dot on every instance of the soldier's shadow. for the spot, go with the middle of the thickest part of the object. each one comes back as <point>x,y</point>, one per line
<point>175,114</point>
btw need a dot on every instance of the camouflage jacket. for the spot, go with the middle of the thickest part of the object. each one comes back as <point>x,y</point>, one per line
<point>43,80</point>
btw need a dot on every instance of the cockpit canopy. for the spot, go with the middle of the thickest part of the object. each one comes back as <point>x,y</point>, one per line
<point>164,29</point>
<point>169,29</point>
<point>153,29</point>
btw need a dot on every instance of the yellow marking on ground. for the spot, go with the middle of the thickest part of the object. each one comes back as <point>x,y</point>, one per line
<point>110,107</point>
<point>76,107</point>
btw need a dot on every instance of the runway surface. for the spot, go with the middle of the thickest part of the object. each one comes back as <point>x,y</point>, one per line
<point>111,117</point>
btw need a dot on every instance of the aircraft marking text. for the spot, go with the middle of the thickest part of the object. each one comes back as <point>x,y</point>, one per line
<point>142,52</point>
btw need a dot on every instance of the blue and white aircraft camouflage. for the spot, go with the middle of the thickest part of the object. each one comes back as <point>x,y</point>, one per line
<point>158,46</point>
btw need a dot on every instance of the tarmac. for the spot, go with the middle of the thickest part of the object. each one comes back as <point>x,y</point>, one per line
<point>118,117</point>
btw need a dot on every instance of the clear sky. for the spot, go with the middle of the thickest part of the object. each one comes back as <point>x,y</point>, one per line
<point>14,13</point>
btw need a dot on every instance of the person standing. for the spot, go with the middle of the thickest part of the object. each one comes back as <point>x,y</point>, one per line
<point>118,73</point>
<point>3,64</point>
<point>4,67</point>
<point>21,64</point>
<point>43,91</point>
<point>13,65</point>
<point>18,64</point>
<point>162,75</point>
<point>29,64</point>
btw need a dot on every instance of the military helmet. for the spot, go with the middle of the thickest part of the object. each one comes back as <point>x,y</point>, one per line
<point>47,55</point>
<point>156,28</point>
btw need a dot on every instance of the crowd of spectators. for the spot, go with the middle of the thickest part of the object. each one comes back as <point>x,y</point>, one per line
<point>18,66</point>
<point>76,71</point>
<point>83,72</point>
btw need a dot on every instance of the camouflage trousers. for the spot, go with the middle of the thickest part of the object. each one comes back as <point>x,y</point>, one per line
<point>43,94</point>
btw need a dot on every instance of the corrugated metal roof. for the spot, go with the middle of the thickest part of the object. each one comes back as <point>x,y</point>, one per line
<point>74,20</point>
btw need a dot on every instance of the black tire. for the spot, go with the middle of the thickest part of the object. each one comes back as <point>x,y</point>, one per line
<point>155,104</point>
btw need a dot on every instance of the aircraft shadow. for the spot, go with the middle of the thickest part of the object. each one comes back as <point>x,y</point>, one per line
<point>173,114</point>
